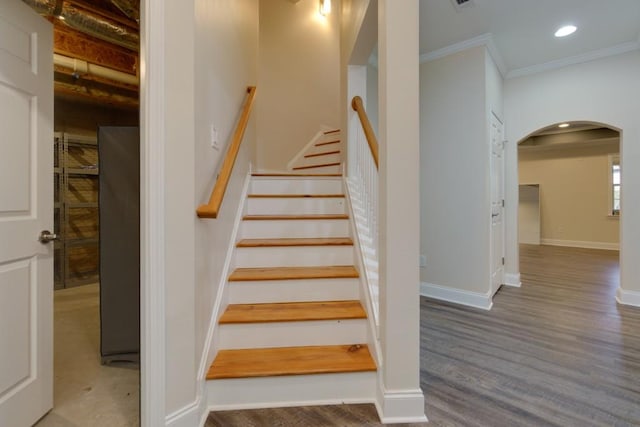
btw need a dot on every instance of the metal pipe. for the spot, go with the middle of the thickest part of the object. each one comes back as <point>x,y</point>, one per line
<point>84,67</point>
<point>87,22</point>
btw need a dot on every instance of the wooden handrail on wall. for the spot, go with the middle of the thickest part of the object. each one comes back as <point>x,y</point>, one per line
<point>358,107</point>
<point>211,209</point>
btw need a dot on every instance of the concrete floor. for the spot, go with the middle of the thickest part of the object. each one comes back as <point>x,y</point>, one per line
<point>87,393</point>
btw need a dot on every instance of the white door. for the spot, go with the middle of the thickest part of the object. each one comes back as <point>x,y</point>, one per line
<point>497,204</point>
<point>26,208</point>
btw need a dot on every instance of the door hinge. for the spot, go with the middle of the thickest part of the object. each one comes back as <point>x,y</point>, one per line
<point>502,260</point>
<point>503,203</point>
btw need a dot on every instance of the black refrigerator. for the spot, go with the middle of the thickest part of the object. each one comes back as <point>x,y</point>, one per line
<point>119,196</point>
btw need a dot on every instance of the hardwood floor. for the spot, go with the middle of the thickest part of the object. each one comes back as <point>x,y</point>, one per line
<point>559,351</point>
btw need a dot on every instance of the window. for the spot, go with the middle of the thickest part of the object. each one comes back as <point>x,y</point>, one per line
<point>615,182</point>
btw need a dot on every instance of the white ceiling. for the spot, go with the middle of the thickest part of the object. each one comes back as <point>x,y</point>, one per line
<point>522,30</point>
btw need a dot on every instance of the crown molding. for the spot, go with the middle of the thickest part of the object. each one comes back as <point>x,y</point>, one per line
<point>577,59</point>
<point>481,40</point>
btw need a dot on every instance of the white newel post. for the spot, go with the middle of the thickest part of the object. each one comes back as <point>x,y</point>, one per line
<point>400,398</point>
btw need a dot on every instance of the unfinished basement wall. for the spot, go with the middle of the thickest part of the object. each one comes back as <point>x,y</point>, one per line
<point>298,78</point>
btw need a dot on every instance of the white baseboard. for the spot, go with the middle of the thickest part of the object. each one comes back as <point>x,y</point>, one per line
<point>189,416</point>
<point>581,244</point>
<point>628,297</point>
<point>512,279</point>
<point>457,296</point>
<point>400,406</point>
<point>300,155</point>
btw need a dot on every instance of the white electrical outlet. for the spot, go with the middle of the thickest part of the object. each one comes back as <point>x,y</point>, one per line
<point>215,144</point>
<point>423,260</point>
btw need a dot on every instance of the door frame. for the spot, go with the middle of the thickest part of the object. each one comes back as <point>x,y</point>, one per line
<point>152,275</point>
<point>493,116</point>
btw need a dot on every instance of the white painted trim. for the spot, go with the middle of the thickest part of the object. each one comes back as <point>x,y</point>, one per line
<point>152,220</point>
<point>581,244</point>
<point>481,40</point>
<point>373,321</point>
<point>512,279</point>
<point>456,296</point>
<point>289,404</point>
<point>300,155</point>
<point>400,406</point>
<point>188,416</point>
<point>631,298</point>
<point>576,59</point>
<point>209,351</point>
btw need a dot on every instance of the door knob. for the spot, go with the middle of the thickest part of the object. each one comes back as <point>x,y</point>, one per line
<point>46,236</point>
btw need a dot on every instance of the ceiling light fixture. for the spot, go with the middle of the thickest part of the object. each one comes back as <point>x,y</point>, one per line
<point>325,7</point>
<point>563,125</point>
<point>566,30</point>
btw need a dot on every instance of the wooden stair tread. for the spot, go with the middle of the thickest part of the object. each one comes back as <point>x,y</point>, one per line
<point>325,241</point>
<point>325,165</point>
<point>322,144</point>
<point>326,153</point>
<point>292,312</point>
<point>295,196</point>
<point>331,131</point>
<point>294,217</point>
<point>296,175</point>
<point>265,362</point>
<point>293,273</point>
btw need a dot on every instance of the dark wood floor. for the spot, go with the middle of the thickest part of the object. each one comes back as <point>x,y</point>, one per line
<point>557,352</point>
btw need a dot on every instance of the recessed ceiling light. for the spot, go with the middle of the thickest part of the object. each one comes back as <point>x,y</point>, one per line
<point>566,30</point>
<point>563,125</point>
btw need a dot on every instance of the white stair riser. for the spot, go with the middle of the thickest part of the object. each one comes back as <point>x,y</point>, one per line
<point>265,291</point>
<point>292,334</point>
<point>295,206</point>
<point>296,186</point>
<point>324,169</point>
<point>320,160</point>
<point>267,229</point>
<point>291,390</point>
<point>293,256</point>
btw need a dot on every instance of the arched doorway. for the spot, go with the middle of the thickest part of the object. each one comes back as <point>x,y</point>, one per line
<point>569,182</point>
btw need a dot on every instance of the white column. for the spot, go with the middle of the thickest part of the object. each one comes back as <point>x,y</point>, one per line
<point>400,398</point>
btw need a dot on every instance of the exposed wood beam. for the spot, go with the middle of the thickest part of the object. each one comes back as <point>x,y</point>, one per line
<point>93,96</point>
<point>99,10</point>
<point>75,44</point>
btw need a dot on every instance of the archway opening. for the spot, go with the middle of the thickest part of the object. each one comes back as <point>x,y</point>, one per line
<point>570,182</point>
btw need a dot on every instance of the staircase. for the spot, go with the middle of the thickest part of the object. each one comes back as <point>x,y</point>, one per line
<point>294,331</point>
<point>322,156</point>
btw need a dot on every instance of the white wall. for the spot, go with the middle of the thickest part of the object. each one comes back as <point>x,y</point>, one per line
<point>227,30</point>
<point>210,59</point>
<point>455,171</point>
<point>605,91</point>
<point>574,194</point>
<point>372,95</point>
<point>299,78</point>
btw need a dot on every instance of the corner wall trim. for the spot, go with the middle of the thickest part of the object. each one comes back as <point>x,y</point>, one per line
<point>189,416</point>
<point>152,218</point>
<point>581,244</point>
<point>400,406</point>
<point>631,298</point>
<point>512,279</point>
<point>456,296</point>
